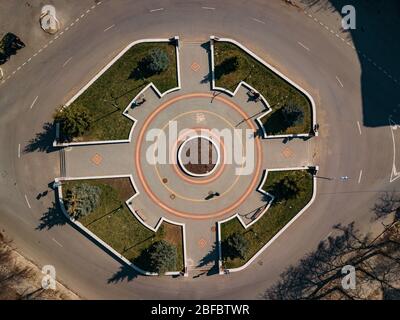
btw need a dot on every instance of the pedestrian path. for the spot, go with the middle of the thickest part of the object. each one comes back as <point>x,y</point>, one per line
<point>202,253</point>
<point>195,67</point>
<point>161,191</point>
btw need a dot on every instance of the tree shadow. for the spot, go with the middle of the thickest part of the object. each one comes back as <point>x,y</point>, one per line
<point>207,77</point>
<point>125,273</point>
<point>53,217</point>
<point>210,257</point>
<point>227,66</point>
<point>388,203</point>
<point>376,41</point>
<point>142,70</point>
<point>275,123</point>
<point>43,141</point>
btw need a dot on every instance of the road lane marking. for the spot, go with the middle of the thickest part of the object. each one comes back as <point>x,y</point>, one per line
<point>57,242</point>
<point>257,20</point>
<point>359,127</point>
<point>303,46</point>
<point>208,8</point>
<point>66,62</point>
<point>19,150</point>
<point>340,82</point>
<point>360,176</point>
<point>110,27</point>
<point>33,103</point>
<point>386,73</point>
<point>158,9</point>
<point>57,36</point>
<point>27,202</point>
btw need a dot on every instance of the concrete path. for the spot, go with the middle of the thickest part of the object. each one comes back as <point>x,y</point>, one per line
<point>163,190</point>
<point>195,67</point>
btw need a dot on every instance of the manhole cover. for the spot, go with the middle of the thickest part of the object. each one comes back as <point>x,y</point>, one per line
<point>165,180</point>
<point>172,196</point>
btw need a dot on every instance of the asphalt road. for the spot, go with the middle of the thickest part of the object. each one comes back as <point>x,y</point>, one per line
<point>285,37</point>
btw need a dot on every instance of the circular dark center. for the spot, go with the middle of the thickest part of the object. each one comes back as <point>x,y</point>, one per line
<point>198,156</point>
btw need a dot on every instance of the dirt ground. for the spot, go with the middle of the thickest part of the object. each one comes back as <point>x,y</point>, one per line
<point>23,278</point>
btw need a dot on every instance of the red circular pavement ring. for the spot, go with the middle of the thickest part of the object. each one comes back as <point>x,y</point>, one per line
<point>189,215</point>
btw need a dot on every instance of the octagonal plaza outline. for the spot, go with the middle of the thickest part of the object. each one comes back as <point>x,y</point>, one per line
<point>191,86</point>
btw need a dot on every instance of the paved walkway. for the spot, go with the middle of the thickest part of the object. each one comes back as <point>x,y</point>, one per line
<point>163,189</point>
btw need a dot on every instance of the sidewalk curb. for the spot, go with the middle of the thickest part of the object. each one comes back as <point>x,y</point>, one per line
<point>124,112</point>
<point>104,244</point>
<point>245,84</point>
<point>219,223</point>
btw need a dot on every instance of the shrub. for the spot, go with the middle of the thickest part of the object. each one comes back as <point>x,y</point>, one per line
<point>237,246</point>
<point>82,199</point>
<point>292,115</point>
<point>74,121</point>
<point>162,257</point>
<point>158,61</point>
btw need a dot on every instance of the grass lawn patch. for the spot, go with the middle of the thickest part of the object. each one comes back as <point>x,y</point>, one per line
<point>276,90</point>
<point>112,92</point>
<point>114,223</point>
<point>277,216</point>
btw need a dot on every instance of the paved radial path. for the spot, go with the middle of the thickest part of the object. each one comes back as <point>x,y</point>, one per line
<point>271,29</point>
<point>164,189</point>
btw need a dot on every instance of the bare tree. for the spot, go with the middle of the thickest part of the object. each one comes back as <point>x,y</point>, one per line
<point>319,274</point>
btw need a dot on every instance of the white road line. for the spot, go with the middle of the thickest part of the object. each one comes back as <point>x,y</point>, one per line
<point>340,82</point>
<point>257,20</point>
<point>106,29</point>
<point>33,103</point>
<point>19,150</point>
<point>359,127</point>
<point>352,46</point>
<point>27,202</point>
<point>360,176</point>
<point>66,62</point>
<point>303,46</point>
<point>57,242</point>
<point>159,9</point>
<point>208,8</point>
